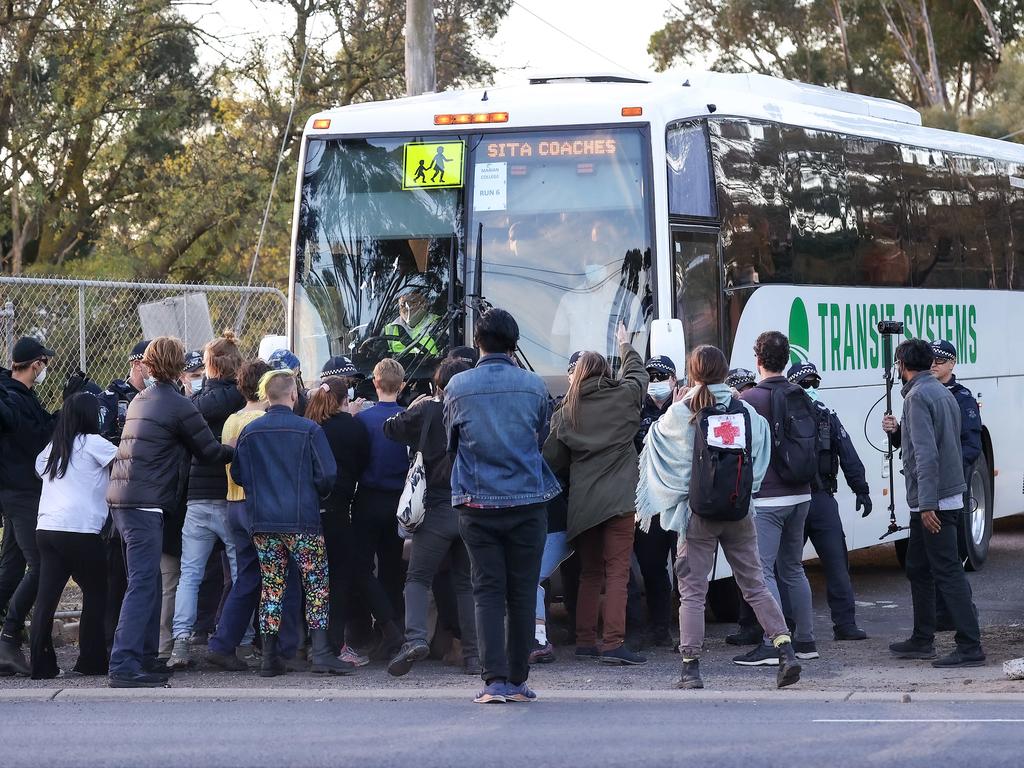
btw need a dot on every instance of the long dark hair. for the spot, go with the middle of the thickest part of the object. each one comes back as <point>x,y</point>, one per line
<point>589,365</point>
<point>707,366</point>
<point>80,415</point>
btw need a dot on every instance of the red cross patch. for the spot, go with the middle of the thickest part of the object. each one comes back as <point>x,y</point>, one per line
<point>727,430</point>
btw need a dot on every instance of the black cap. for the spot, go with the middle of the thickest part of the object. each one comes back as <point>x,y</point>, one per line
<point>798,373</point>
<point>573,360</point>
<point>193,361</point>
<point>138,350</point>
<point>661,364</point>
<point>943,350</point>
<point>339,365</point>
<point>28,350</point>
<point>740,377</point>
<point>464,353</point>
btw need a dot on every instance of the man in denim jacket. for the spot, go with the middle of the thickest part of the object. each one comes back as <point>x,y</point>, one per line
<point>496,416</point>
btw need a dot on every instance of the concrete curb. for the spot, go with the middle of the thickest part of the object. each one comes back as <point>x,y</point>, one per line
<point>434,694</point>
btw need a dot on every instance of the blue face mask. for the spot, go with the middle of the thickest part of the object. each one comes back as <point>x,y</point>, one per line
<point>659,390</point>
<point>812,392</point>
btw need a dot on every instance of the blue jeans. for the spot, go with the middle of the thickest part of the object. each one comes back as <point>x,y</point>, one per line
<point>205,523</point>
<point>780,543</point>
<point>137,637</point>
<point>235,626</point>
<point>555,551</point>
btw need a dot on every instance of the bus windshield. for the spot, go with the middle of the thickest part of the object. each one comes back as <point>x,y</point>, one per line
<point>558,220</point>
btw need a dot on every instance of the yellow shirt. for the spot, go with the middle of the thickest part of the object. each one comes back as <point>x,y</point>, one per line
<point>232,429</point>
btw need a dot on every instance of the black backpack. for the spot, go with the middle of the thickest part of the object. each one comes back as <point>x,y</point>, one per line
<point>794,425</point>
<point>722,478</point>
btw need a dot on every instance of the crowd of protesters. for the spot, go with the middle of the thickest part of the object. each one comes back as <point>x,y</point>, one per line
<point>210,498</point>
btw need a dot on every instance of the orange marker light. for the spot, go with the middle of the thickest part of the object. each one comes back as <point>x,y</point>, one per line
<point>475,117</point>
<point>444,119</point>
<point>632,111</point>
<point>497,117</point>
<point>321,124</point>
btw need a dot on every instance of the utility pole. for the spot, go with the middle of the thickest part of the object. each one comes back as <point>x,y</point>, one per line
<point>420,72</point>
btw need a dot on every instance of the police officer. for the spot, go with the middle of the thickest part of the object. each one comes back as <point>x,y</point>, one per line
<point>653,548</point>
<point>970,415</point>
<point>824,526</point>
<point>740,379</point>
<point>194,375</point>
<point>413,330</point>
<point>115,398</point>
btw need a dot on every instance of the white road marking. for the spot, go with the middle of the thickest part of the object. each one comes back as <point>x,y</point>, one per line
<point>925,720</point>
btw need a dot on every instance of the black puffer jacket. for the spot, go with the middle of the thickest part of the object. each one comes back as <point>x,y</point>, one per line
<point>160,428</point>
<point>217,400</point>
<point>25,429</point>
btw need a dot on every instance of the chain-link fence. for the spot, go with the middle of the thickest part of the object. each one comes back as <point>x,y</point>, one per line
<point>93,324</point>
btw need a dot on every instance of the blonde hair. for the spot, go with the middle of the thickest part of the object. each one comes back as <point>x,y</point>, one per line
<point>273,385</point>
<point>326,400</point>
<point>223,355</point>
<point>165,358</point>
<point>388,375</point>
<point>589,365</point>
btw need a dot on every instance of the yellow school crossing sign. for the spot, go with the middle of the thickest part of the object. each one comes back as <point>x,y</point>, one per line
<point>433,165</point>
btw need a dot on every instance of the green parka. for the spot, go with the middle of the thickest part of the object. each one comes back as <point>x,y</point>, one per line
<point>598,454</point>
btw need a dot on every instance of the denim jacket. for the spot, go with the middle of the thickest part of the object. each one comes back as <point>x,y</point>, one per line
<point>496,417</point>
<point>285,464</point>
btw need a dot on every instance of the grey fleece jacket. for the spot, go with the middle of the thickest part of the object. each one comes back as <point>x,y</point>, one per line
<point>932,465</point>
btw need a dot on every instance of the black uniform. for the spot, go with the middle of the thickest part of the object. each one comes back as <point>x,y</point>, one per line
<point>114,402</point>
<point>970,424</point>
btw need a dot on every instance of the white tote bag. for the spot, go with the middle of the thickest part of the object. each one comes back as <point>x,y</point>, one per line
<point>410,507</point>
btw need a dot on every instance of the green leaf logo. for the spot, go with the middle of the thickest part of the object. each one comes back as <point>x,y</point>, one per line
<point>799,333</point>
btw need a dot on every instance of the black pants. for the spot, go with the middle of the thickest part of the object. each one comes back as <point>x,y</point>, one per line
<point>12,566</point>
<point>337,529</point>
<point>117,583</point>
<point>653,550</point>
<point>505,549</point>
<point>80,556</point>
<point>213,590</point>
<point>375,534</point>
<point>933,564</point>
<point>825,530</point>
<point>21,509</point>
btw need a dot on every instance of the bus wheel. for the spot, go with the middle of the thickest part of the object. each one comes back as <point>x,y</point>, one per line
<point>724,600</point>
<point>976,524</point>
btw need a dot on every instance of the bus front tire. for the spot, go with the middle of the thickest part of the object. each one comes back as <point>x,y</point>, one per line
<point>975,529</point>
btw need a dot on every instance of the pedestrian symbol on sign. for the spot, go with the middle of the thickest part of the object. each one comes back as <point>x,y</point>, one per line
<point>434,165</point>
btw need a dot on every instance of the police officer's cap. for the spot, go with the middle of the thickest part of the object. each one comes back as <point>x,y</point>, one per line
<point>138,350</point>
<point>798,373</point>
<point>661,364</point>
<point>943,350</point>
<point>28,350</point>
<point>464,353</point>
<point>193,361</point>
<point>573,360</point>
<point>283,360</point>
<point>339,365</point>
<point>740,377</point>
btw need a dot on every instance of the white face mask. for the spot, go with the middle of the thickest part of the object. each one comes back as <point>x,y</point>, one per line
<point>659,390</point>
<point>595,274</point>
<point>351,394</point>
<point>41,376</point>
<point>196,384</point>
<point>149,381</point>
<point>812,392</point>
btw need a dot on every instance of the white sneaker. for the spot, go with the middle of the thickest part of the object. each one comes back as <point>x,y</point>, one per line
<point>352,656</point>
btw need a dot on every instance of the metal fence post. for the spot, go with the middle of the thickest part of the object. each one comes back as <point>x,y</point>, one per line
<point>81,328</point>
<point>8,317</point>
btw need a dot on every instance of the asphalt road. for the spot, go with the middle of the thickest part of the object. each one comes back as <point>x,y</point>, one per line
<point>546,733</point>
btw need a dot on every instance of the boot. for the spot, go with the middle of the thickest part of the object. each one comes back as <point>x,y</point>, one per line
<point>324,660</point>
<point>690,677</point>
<point>12,660</point>
<point>789,666</point>
<point>271,666</point>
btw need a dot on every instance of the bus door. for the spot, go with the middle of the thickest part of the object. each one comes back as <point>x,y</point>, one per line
<point>696,285</point>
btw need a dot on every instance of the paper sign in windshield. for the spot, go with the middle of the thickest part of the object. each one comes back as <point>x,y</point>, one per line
<point>490,187</point>
<point>433,165</point>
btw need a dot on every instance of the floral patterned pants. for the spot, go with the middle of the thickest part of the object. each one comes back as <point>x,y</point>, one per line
<point>307,549</point>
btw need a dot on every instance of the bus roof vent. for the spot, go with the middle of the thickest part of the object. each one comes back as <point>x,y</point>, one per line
<point>597,77</point>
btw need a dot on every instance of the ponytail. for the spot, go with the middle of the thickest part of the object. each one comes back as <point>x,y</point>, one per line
<point>707,365</point>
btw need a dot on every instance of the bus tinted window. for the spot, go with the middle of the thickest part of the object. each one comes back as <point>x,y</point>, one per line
<point>1015,198</point>
<point>560,219</point>
<point>873,177</point>
<point>931,237</point>
<point>690,189</point>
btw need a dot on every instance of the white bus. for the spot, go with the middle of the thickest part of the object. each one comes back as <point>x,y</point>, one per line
<point>703,211</point>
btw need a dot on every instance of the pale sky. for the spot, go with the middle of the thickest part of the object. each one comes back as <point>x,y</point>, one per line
<point>524,45</point>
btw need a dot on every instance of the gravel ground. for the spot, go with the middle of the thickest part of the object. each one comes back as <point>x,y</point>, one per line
<point>883,610</point>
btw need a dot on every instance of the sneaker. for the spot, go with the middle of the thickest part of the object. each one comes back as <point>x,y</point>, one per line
<point>805,649</point>
<point>137,680</point>
<point>226,661</point>
<point>493,693</point>
<point>622,656</point>
<point>410,653</point>
<point>745,636</point>
<point>587,652</point>
<point>761,656</point>
<point>542,654</point>
<point>849,633</point>
<point>960,659</point>
<point>471,666</point>
<point>521,692</point>
<point>908,649</point>
<point>181,656</point>
<point>689,678</point>
<point>789,667</point>
<point>351,655</point>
